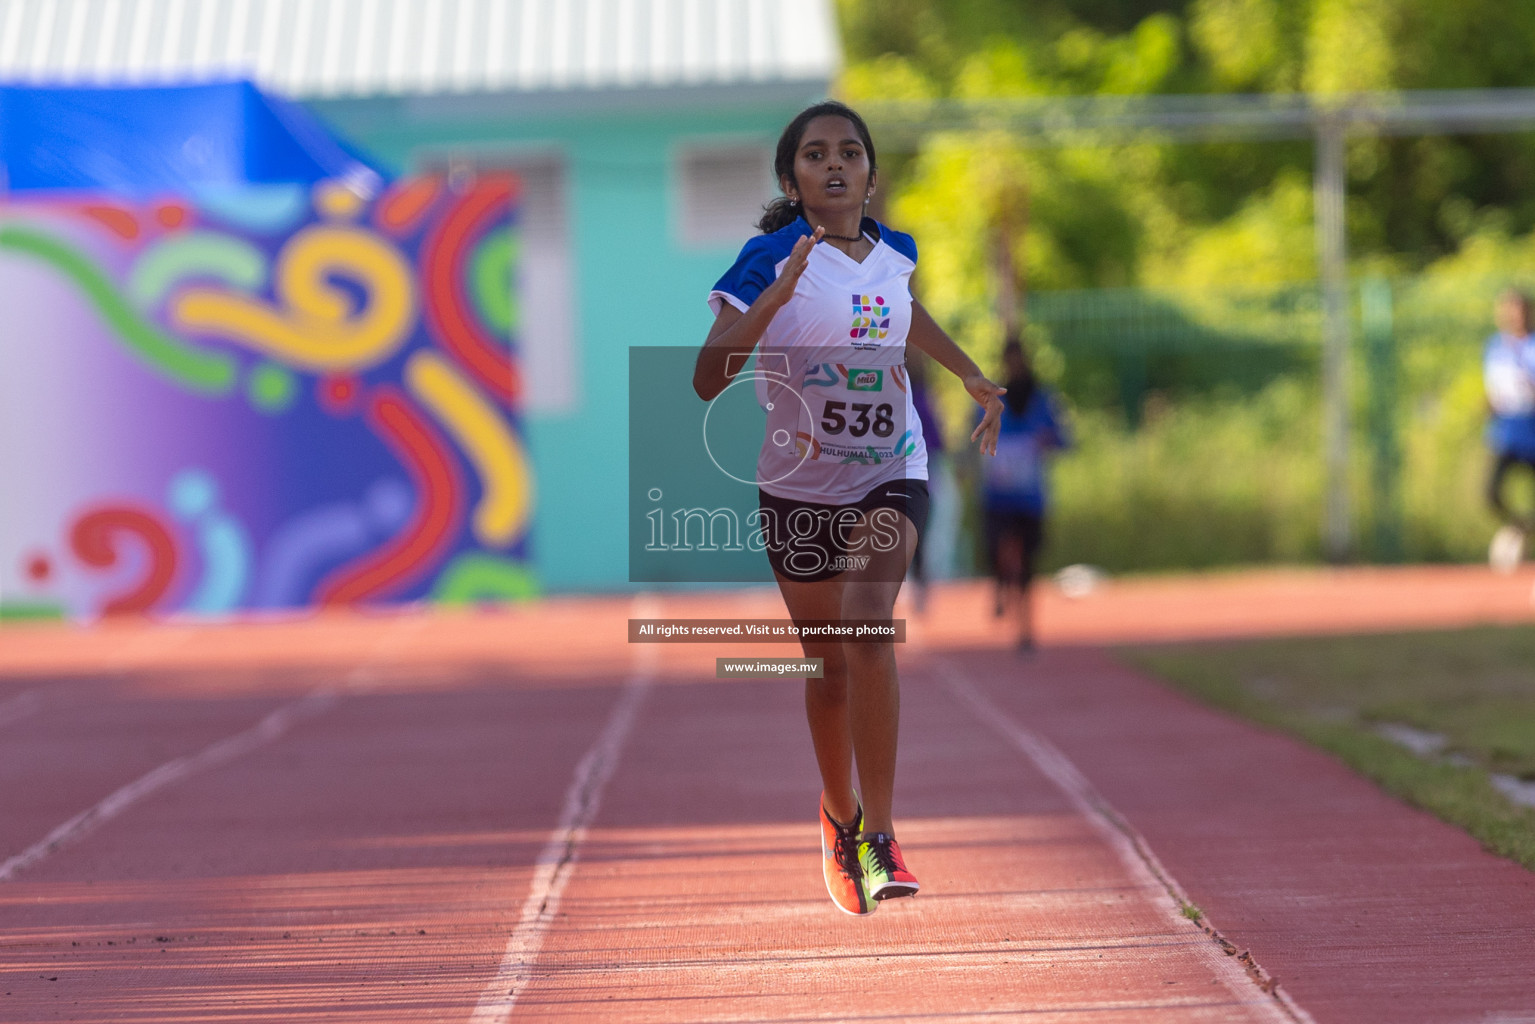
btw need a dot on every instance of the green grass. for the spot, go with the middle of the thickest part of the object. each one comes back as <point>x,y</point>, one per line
<point>1476,687</point>
<point>16,611</point>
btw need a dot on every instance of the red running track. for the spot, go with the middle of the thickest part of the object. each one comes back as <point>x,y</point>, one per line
<point>414,816</point>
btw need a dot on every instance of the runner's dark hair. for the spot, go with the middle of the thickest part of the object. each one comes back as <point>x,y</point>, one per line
<point>780,212</point>
<point>1020,388</point>
<point>1519,295</point>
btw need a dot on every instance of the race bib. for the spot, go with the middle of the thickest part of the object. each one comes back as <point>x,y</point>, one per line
<point>857,411</point>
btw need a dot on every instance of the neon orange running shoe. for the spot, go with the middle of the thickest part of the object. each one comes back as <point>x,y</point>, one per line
<point>839,864</point>
<point>884,870</point>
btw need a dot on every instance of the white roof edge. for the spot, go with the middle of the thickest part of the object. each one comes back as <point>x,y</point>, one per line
<point>362,48</point>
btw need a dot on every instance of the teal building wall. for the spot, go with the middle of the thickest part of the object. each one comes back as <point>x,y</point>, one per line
<point>634,281</point>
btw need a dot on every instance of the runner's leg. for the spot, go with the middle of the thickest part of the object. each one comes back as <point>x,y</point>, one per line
<point>826,699</point>
<point>874,696</point>
<point>1030,539</point>
<point>1524,516</point>
<point>993,537</point>
<point>1009,566</point>
<point>1496,480</point>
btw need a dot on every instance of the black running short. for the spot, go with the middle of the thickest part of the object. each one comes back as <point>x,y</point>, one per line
<point>808,542</point>
<point>1497,484</point>
<point>1026,528</point>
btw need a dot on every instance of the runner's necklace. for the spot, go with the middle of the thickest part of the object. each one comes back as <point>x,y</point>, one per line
<point>828,234</point>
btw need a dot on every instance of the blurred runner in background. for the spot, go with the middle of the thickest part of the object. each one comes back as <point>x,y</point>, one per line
<point>1508,371</point>
<point>934,559</point>
<point>1013,487</point>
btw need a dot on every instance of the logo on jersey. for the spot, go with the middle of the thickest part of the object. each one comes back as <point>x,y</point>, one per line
<point>865,380</point>
<point>870,319</point>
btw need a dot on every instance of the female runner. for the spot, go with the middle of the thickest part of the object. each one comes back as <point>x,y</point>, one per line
<point>842,473</point>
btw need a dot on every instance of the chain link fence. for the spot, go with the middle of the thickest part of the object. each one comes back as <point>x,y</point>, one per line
<point>1198,422</point>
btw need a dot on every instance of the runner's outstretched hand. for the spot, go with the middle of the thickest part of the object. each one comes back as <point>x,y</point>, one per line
<point>989,397</point>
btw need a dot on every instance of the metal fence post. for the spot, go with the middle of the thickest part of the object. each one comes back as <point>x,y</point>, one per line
<point>1332,258</point>
<point>1375,302</point>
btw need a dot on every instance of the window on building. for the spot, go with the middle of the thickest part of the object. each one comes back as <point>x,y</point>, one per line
<point>720,193</point>
<point>546,339</point>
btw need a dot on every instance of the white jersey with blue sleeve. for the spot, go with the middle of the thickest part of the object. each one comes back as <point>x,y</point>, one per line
<point>831,367</point>
<point>1508,372</point>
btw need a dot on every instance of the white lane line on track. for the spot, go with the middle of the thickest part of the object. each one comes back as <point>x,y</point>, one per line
<point>217,753</point>
<point>23,705</point>
<point>220,752</point>
<point>557,861</point>
<point>1128,844</point>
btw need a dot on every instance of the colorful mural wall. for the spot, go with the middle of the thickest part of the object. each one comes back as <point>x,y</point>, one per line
<point>266,398</point>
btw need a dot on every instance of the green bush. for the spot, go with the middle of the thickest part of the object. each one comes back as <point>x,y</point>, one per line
<point>1199,473</point>
<point>1199,484</point>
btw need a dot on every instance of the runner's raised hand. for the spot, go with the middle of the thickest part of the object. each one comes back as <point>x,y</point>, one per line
<point>736,333</point>
<point>777,294</point>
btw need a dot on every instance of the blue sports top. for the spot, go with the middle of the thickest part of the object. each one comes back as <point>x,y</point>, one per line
<point>1015,479</point>
<point>1508,373</point>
